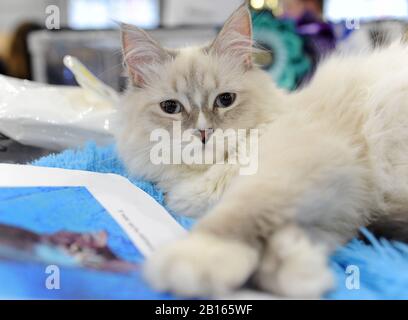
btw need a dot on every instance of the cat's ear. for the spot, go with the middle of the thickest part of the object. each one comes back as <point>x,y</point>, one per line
<point>235,38</point>
<point>141,53</point>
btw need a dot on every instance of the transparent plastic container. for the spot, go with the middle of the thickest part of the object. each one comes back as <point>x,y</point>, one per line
<point>99,51</point>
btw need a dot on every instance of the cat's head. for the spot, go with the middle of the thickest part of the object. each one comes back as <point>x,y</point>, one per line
<point>204,89</point>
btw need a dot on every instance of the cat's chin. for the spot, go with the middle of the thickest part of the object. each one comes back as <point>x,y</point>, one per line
<point>205,162</point>
<point>198,167</point>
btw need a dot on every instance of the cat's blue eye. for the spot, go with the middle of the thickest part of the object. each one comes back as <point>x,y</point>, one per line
<point>171,106</point>
<point>225,100</point>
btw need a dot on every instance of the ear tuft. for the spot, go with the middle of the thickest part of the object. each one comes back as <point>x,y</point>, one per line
<point>141,53</point>
<point>235,38</point>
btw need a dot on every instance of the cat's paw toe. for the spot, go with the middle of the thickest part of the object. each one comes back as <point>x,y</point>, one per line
<point>293,281</point>
<point>294,267</point>
<point>201,265</point>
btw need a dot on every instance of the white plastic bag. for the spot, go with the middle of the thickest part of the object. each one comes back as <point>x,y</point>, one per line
<point>53,117</point>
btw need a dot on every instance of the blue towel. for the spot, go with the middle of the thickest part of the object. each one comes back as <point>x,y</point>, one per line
<point>375,271</point>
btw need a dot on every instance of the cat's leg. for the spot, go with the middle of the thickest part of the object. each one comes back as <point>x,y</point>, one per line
<point>294,266</point>
<point>237,239</point>
<point>308,179</point>
<point>218,256</point>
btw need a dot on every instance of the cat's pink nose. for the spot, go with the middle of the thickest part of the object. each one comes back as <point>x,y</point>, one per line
<point>205,135</point>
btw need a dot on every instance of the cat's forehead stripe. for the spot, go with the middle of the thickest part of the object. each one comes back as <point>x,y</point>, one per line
<point>195,82</point>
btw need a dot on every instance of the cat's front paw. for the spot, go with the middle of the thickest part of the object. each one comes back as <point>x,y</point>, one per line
<point>201,265</point>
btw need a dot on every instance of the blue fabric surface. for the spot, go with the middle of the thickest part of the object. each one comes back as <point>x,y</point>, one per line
<point>382,266</point>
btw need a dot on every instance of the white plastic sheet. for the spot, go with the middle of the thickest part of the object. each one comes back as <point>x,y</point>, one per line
<point>53,117</point>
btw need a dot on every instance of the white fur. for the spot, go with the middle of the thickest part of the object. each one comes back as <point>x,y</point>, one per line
<point>192,266</point>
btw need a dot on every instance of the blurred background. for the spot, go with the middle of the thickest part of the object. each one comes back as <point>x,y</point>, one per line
<point>35,35</point>
<point>296,32</point>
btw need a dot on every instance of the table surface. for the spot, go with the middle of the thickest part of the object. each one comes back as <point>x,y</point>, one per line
<point>14,152</point>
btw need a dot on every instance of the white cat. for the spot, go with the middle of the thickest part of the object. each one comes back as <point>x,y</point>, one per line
<point>330,156</point>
